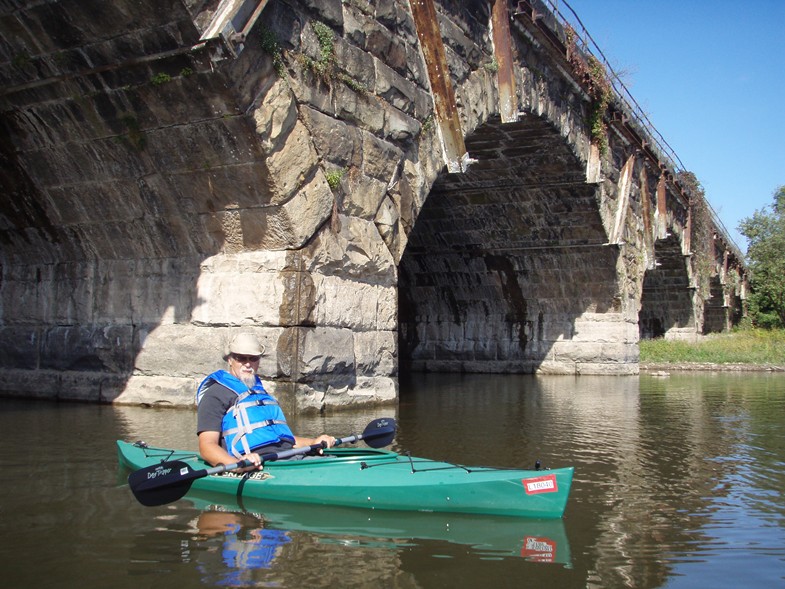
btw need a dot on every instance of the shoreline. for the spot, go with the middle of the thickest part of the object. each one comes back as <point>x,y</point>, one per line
<point>659,367</point>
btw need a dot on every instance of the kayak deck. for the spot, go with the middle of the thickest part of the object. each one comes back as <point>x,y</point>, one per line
<point>380,479</point>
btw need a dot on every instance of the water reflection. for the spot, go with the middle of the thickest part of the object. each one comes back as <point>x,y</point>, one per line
<point>678,484</point>
<point>246,544</point>
<point>537,540</point>
<point>654,458</point>
<point>228,546</point>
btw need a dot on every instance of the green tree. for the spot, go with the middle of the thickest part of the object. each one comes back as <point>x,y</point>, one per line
<point>765,231</point>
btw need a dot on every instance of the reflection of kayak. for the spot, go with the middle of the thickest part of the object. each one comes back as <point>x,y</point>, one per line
<point>538,540</point>
<point>379,479</point>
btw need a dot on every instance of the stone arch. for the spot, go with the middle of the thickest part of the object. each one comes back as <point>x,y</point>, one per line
<point>667,299</point>
<point>508,267</point>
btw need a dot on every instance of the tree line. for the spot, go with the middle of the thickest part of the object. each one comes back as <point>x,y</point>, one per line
<point>765,232</point>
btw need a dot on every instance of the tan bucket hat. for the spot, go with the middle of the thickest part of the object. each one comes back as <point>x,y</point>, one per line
<point>245,344</point>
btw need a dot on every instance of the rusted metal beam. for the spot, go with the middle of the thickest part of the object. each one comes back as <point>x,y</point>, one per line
<point>234,18</point>
<point>648,232</point>
<point>502,50</point>
<point>446,110</point>
<point>622,201</point>
<point>662,207</point>
<point>232,21</point>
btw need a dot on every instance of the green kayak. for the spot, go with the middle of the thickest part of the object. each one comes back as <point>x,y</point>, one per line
<point>372,479</point>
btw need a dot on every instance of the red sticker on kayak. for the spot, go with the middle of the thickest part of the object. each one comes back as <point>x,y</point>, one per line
<point>539,549</point>
<point>546,484</point>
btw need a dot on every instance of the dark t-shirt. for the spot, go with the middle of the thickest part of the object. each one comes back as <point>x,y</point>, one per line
<point>215,402</point>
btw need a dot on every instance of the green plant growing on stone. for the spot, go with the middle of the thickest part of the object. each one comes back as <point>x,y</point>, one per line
<point>135,136</point>
<point>272,47</point>
<point>334,178</point>
<point>355,85</point>
<point>428,124</point>
<point>569,34</point>
<point>601,93</point>
<point>701,231</point>
<point>324,66</point>
<point>186,71</point>
<point>326,62</point>
<point>593,73</point>
<point>161,78</point>
<point>493,66</point>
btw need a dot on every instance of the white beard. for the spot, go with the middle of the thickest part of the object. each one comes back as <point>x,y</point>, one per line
<point>249,380</point>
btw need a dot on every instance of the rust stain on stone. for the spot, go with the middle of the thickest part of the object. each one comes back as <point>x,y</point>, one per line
<point>648,233</point>
<point>299,296</point>
<point>295,310</point>
<point>286,352</point>
<point>518,307</point>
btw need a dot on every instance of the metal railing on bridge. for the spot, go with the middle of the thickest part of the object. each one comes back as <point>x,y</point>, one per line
<point>585,43</point>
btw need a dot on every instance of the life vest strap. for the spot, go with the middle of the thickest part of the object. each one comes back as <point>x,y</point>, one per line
<point>257,425</point>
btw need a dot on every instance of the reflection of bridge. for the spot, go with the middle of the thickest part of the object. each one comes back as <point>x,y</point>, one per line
<point>438,187</point>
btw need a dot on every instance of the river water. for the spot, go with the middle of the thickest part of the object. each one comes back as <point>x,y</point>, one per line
<point>678,483</point>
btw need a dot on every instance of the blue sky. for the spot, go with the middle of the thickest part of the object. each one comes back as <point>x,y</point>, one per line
<point>710,75</point>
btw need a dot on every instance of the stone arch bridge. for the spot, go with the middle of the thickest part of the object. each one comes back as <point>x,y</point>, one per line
<point>368,185</point>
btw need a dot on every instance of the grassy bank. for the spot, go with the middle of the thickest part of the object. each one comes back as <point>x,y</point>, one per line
<point>749,346</point>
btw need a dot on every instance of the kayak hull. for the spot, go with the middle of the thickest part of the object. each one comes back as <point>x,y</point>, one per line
<point>380,479</point>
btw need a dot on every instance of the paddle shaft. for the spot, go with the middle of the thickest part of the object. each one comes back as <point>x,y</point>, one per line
<point>284,454</point>
<point>378,428</point>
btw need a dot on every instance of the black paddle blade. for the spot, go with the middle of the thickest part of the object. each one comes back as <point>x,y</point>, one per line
<point>380,433</point>
<point>162,483</point>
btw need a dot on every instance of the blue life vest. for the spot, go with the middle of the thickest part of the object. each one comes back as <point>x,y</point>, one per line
<point>254,420</point>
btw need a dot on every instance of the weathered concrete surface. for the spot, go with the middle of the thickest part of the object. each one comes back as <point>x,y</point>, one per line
<point>164,191</point>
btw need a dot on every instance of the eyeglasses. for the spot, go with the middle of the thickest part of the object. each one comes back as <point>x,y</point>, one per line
<point>242,359</point>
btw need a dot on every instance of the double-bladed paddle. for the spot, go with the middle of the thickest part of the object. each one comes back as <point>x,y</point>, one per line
<point>168,481</point>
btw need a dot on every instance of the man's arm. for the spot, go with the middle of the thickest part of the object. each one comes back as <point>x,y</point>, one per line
<point>300,442</point>
<point>211,450</point>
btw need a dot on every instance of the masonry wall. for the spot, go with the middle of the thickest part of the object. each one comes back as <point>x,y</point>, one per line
<point>166,194</point>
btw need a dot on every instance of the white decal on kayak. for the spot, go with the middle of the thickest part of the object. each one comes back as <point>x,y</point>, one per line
<point>546,484</point>
<point>256,475</point>
<point>184,471</point>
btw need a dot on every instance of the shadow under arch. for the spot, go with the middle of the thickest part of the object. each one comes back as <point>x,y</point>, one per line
<point>507,268</point>
<point>667,307</point>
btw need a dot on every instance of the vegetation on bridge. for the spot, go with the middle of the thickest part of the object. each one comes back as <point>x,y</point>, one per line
<point>702,241</point>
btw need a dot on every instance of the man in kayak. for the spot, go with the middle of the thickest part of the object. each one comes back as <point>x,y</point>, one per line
<point>236,418</point>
